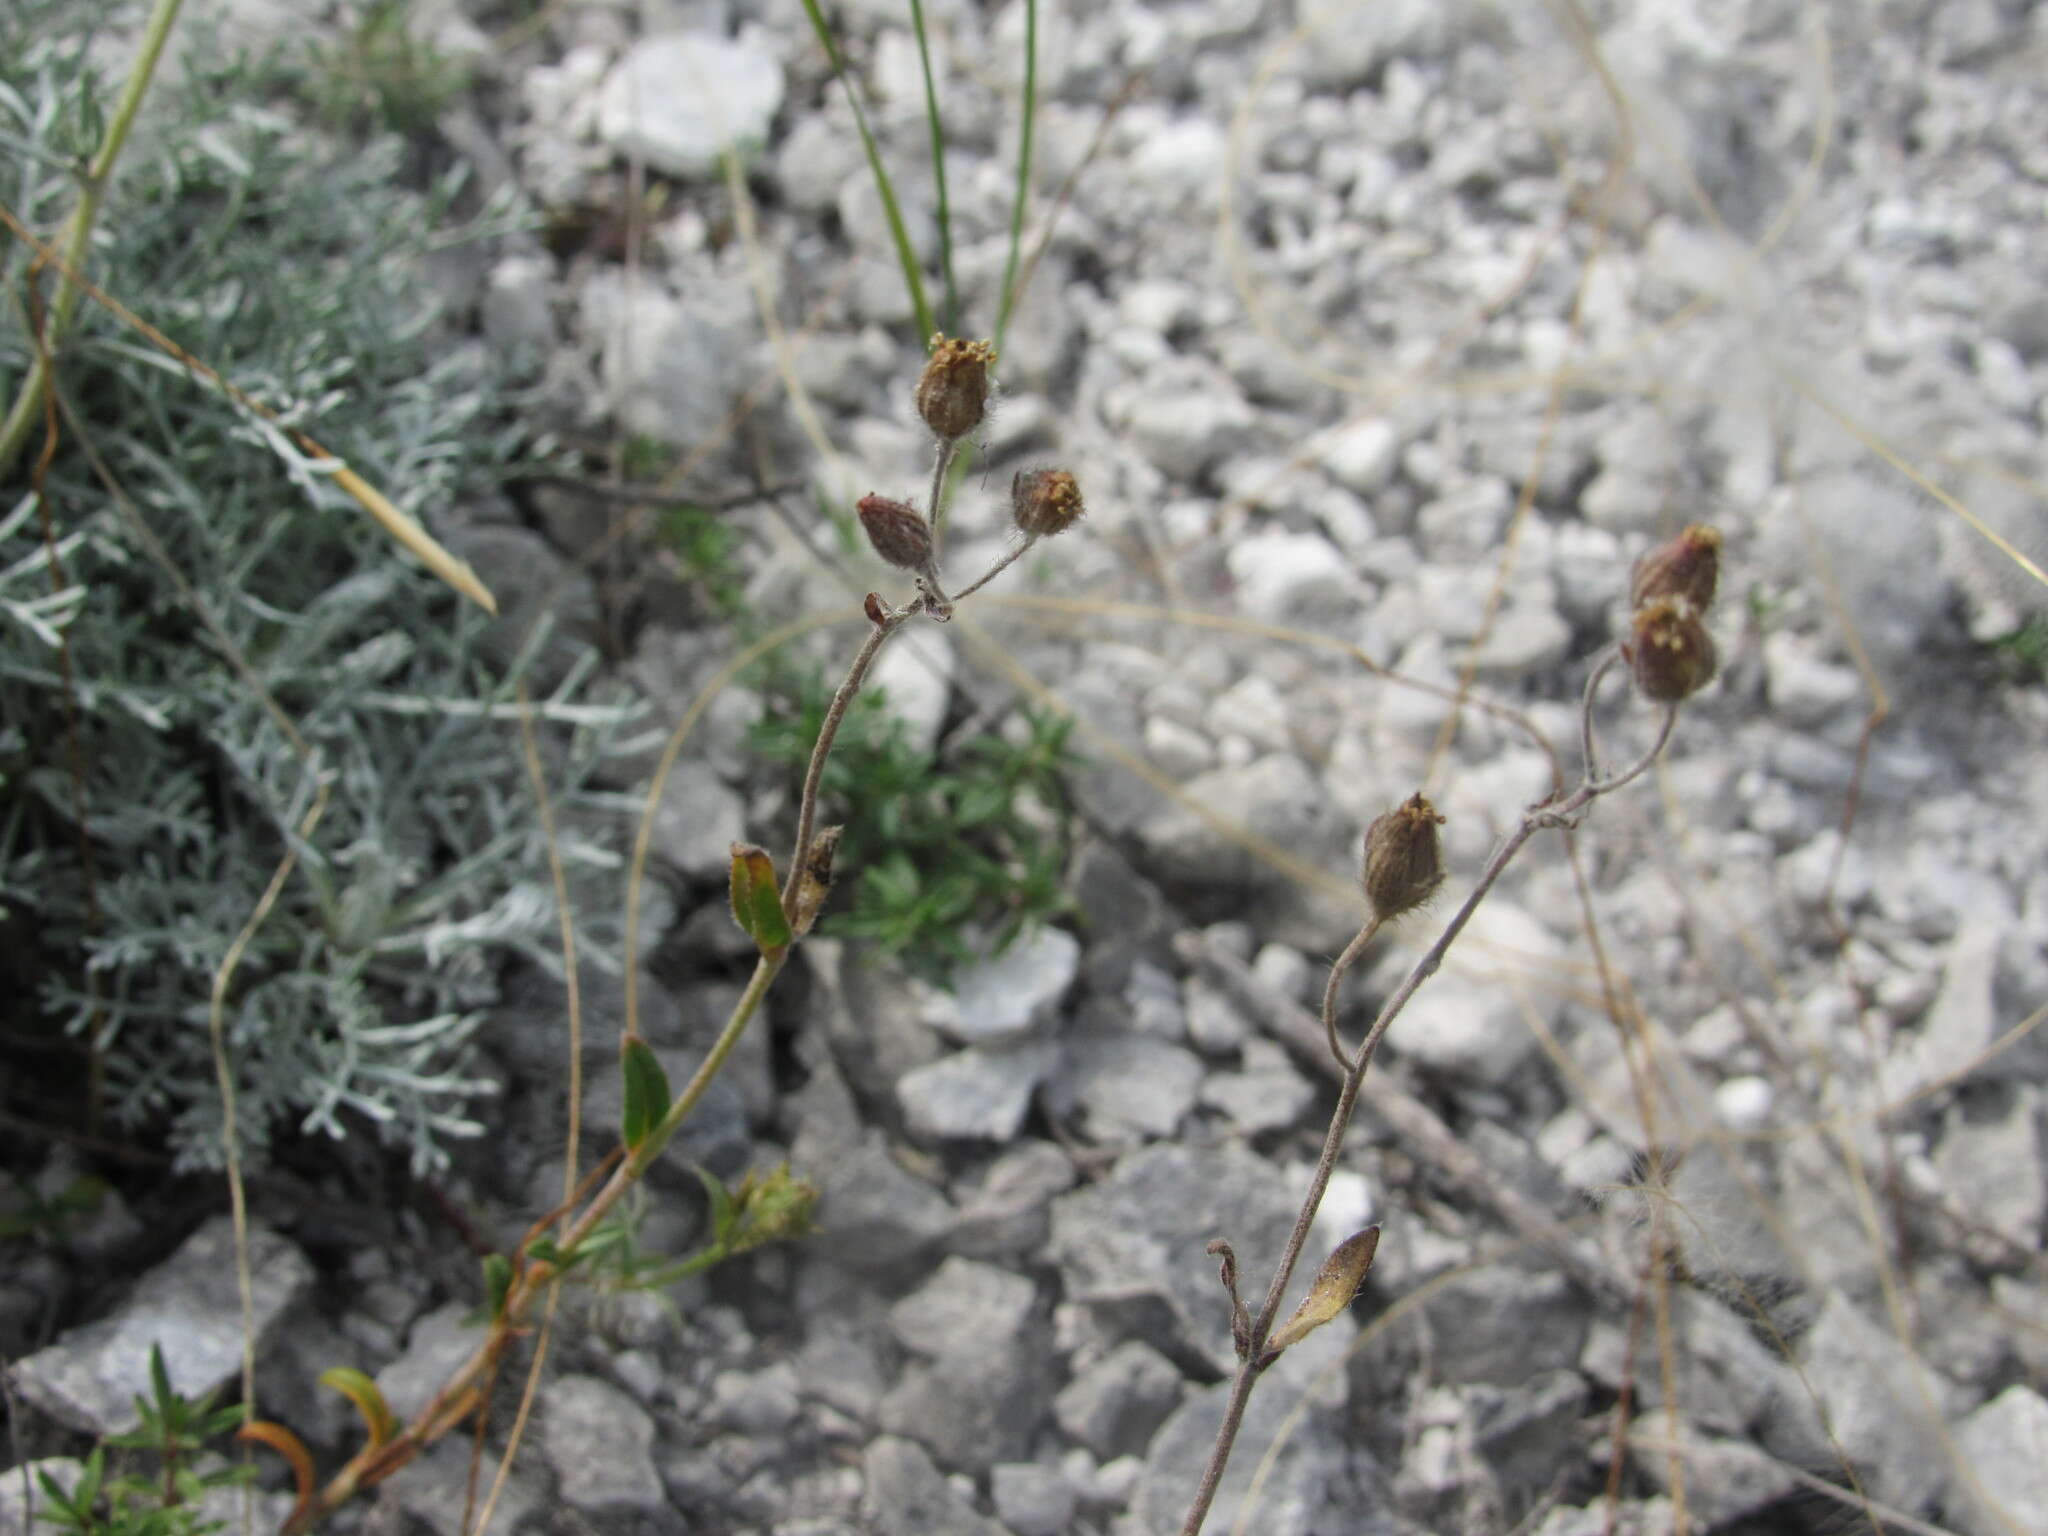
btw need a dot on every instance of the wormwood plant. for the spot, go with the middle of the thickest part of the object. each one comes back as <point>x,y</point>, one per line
<point>1670,657</point>
<point>200,640</point>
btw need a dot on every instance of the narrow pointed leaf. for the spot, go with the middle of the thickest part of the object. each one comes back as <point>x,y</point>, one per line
<point>756,903</point>
<point>359,1389</point>
<point>159,1378</point>
<point>646,1091</point>
<point>722,1210</point>
<point>1335,1284</point>
<point>497,1284</point>
<point>293,1450</point>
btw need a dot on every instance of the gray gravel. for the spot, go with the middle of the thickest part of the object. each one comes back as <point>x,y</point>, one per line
<point>1376,384</point>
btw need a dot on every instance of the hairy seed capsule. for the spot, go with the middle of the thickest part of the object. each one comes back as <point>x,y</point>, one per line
<point>1687,567</point>
<point>952,392</point>
<point>1404,858</point>
<point>1044,502</point>
<point>1669,650</point>
<point>899,534</point>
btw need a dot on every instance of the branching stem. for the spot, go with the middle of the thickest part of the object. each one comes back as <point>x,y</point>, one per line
<point>466,1391</point>
<point>1562,814</point>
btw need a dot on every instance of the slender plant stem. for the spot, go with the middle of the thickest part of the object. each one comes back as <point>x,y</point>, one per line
<point>828,731</point>
<point>28,400</point>
<point>892,212</point>
<point>938,136</point>
<point>996,570</point>
<point>1028,117</point>
<point>935,505</point>
<point>1252,1366</point>
<point>766,969</point>
<point>1556,813</point>
<point>1344,963</point>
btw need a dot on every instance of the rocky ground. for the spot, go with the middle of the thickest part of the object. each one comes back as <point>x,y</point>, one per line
<point>1382,339</point>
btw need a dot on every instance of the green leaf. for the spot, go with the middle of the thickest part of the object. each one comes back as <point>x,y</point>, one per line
<point>723,1211</point>
<point>160,1382</point>
<point>646,1091</point>
<point>1335,1284</point>
<point>756,903</point>
<point>1027,114</point>
<point>497,1284</point>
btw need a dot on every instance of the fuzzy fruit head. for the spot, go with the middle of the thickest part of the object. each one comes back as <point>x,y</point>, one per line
<point>1687,567</point>
<point>900,535</point>
<point>1669,650</point>
<point>1044,502</point>
<point>952,392</point>
<point>1404,858</point>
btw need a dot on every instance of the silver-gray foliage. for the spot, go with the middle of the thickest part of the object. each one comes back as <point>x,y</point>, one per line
<point>147,799</point>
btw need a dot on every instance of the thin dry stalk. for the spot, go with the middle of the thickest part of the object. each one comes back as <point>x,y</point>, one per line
<point>1562,813</point>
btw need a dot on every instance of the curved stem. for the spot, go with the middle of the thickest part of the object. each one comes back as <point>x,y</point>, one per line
<point>1344,963</point>
<point>1589,748</point>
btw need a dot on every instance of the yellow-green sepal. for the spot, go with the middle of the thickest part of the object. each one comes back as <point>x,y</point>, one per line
<point>756,901</point>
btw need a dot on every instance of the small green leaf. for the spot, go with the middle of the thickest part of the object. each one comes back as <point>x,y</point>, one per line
<point>160,1380</point>
<point>1343,1272</point>
<point>756,903</point>
<point>497,1284</point>
<point>646,1090</point>
<point>723,1211</point>
<point>359,1389</point>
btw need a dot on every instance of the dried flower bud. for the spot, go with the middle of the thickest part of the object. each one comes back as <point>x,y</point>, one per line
<point>1044,502</point>
<point>899,534</point>
<point>952,392</point>
<point>1404,858</point>
<point>1669,650</point>
<point>1687,567</point>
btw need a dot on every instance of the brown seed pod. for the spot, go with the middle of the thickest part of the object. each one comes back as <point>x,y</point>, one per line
<point>899,534</point>
<point>1044,502</point>
<point>952,392</point>
<point>1687,567</point>
<point>1404,858</point>
<point>1669,650</point>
